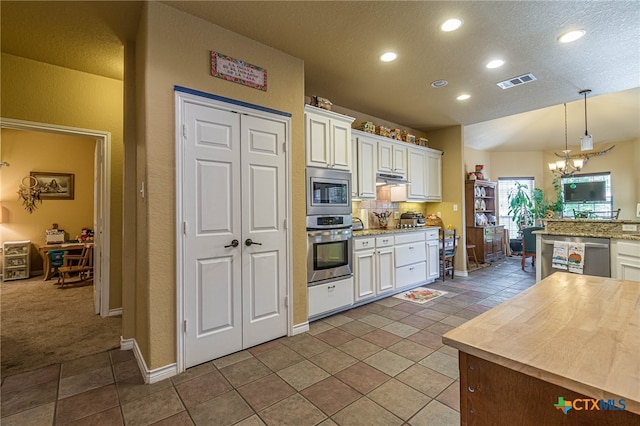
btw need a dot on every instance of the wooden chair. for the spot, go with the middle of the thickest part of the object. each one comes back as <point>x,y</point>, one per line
<point>529,244</point>
<point>448,247</point>
<point>471,254</point>
<point>80,264</point>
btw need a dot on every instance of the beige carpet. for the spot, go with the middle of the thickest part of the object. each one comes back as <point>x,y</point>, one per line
<point>43,324</point>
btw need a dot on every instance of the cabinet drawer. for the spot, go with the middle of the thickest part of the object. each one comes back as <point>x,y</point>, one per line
<point>407,254</point>
<point>330,296</point>
<point>432,234</point>
<point>411,274</point>
<point>364,243</point>
<point>385,241</point>
<point>409,237</point>
<point>629,248</point>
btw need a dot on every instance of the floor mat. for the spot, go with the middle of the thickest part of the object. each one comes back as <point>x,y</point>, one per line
<point>420,295</point>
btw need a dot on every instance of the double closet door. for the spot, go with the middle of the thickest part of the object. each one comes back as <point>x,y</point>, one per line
<point>234,239</point>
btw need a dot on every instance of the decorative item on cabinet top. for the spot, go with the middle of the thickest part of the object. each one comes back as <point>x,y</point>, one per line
<point>323,103</point>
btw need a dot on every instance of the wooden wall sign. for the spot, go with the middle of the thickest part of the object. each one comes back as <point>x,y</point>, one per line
<point>231,69</point>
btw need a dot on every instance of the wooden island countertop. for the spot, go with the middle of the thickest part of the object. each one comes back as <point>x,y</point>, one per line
<point>579,332</point>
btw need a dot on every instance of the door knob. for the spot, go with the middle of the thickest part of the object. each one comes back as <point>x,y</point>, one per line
<point>234,243</point>
<point>249,242</point>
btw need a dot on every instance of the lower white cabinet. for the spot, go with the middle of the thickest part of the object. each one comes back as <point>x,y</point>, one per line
<point>433,254</point>
<point>330,296</point>
<point>625,259</point>
<point>410,258</point>
<point>373,266</point>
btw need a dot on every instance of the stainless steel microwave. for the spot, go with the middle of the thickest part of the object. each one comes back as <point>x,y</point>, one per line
<point>328,191</point>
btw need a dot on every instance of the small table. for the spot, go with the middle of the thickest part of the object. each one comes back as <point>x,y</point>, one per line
<point>45,249</point>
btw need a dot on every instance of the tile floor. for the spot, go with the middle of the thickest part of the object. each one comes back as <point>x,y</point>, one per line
<point>379,364</point>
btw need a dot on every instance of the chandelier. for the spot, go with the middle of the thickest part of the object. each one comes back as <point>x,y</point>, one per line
<point>568,165</point>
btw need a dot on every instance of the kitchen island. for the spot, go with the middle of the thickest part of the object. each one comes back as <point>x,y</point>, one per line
<point>565,351</point>
<point>621,254</point>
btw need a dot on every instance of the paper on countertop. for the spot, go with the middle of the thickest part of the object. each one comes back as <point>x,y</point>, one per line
<point>575,258</point>
<point>560,255</point>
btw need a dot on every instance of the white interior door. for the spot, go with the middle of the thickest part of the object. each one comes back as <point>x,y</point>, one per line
<point>263,217</point>
<point>233,192</point>
<point>98,224</point>
<point>212,267</point>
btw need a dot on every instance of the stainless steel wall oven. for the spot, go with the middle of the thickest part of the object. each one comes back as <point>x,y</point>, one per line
<point>329,248</point>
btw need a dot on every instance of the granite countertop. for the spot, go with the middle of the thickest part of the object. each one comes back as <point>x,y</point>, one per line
<point>381,231</point>
<point>632,237</point>
<point>537,333</point>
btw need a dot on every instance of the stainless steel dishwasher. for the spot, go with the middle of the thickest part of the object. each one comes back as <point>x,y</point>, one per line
<point>597,259</point>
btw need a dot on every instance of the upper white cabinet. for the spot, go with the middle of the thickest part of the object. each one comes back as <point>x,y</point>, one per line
<point>327,138</point>
<point>434,175</point>
<point>417,168</point>
<point>366,149</point>
<point>392,158</point>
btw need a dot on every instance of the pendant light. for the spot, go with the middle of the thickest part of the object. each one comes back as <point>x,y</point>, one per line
<point>586,141</point>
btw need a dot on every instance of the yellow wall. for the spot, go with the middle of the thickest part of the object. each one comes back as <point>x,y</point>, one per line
<point>177,47</point>
<point>472,157</point>
<point>451,208</point>
<point>44,93</point>
<point>32,151</point>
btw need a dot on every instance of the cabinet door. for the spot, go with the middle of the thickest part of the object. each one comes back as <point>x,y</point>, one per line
<point>433,259</point>
<point>434,176</point>
<point>400,159</point>
<point>385,157</point>
<point>498,242</point>
<point>354,168</point>
<point>364,274</point>
<point>317,136</point>
<point>488,247</point>
<point>416,175</point>
<point>367,150</point>
<point>340,145</point>
<point>385,270</point>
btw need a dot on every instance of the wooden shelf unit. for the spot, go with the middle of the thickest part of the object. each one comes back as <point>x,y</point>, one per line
<point>489,239</point>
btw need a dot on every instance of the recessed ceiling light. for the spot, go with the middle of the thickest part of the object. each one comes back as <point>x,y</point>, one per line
<point>439,83</point>
<point>451,25</point>
<point>463,97</point>
<point>388,57</point>
<point>496,63</point>
<point>571,36</point>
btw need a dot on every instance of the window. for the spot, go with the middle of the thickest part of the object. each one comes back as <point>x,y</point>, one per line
<point>587,195</point>
<point>504,186</point>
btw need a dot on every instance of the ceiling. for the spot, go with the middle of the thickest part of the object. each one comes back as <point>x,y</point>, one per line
<point>340,43</point>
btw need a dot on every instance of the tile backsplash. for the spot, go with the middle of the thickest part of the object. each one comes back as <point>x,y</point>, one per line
<point>383,204</point>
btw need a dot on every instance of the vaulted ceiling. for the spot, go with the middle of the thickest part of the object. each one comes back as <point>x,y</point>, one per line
<point>341,42</point>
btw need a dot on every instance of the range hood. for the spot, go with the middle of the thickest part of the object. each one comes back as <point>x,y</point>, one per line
<point>391,179</point>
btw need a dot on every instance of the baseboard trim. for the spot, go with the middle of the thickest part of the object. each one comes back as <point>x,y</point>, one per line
<point>300,328</point>
<point>150,376</point>
<point>115,312</point>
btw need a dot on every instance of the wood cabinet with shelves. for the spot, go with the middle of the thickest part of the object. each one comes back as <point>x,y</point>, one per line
<point>15,260</point>
<point>481,199</point>
<point>327,138</point>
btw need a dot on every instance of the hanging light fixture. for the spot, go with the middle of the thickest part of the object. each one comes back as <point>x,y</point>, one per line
<point>586,141</point>
<point>567,166</point>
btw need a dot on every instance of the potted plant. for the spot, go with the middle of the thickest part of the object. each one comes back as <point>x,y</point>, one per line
<point>521,208</point>
<point>543,207</point>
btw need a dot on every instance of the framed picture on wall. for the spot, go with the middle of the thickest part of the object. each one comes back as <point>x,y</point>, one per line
<point>54,186</point>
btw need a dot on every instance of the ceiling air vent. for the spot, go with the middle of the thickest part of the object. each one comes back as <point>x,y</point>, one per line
<point>517,81</point>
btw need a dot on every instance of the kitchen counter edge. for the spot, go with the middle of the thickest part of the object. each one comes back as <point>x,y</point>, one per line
<point>382,231</point>
<point>632,237</point>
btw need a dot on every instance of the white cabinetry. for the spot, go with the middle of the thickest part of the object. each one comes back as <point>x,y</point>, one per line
<point>417,191</point>
<point>373,266</point>
<point>330,296</point>
<point>434,175</point>
<point>392,158</point>
<point>327,138</point>
<point>366,159</point>
<point>433,254</point>
<point>410,258</point>
<point>625,259</point>
<point>15,260</point>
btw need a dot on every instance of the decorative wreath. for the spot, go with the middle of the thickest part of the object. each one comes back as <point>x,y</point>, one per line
<point>29,192</point>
